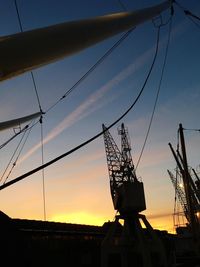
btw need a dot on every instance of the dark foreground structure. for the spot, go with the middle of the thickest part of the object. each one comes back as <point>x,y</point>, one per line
<point>38,243</point>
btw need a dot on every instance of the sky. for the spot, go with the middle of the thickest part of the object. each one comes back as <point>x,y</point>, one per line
<point>77,187</point>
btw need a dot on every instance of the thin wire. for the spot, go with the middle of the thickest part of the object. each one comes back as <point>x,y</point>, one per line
<point>21,131</point>
<point>15,162</point>
<point>177,204</point>
<point>41,120</point>
<point>157,94</point>
<point>194,22</point>
<point>33,79</point>
<point>36,92</point>
<point>188,14</point>
<point>99,61</point>
<point>43,177</point>
<point>186,11</point>
<point>10,139</point>
<point>19,20</point>
<point>12,157</point>
<point>195,130</point>
<point>42,146</point>
<point>122,5</point>
<point>97,135</point>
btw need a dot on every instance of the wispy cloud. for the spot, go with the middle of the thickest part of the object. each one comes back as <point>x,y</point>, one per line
<point>89,105</point>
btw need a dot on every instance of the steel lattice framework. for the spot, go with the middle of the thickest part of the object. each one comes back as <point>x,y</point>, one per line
<point>180,193</point>
<point>120,163</point>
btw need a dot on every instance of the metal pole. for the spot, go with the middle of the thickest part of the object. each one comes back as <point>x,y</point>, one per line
<point>188,191</point>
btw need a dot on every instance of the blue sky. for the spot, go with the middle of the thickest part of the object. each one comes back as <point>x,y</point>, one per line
<point>77,187</point>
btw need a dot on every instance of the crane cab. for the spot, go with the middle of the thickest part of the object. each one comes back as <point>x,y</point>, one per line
<point>130,198</point>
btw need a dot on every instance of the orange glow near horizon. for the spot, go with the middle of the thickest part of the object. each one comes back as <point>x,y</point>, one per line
<point>163,224</point>
<point>79,217</point>
<point>86,218</point>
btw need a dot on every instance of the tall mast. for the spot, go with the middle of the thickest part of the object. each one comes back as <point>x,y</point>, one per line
<point>188,192</point>
<point>181,194</point>
<point>191,192</point>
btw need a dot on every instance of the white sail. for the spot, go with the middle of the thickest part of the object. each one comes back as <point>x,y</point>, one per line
<point>25,51</point>
<point>17,122</point>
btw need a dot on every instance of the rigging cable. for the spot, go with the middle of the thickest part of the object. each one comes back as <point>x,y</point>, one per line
<point>68,91</point>
<point>158,92</point>
<point>97,135</point>
<point>99,61</point>
<point>15,162</point>
<point>42,145</point>
<point>43,177</point>
<point>195,130</point>
<point>36,92</point>
<point>12,156</point>
<point>122,5</point>
<point>18,16</point>
<point>189,14</point>
<point>41,121</point>
<point>33,79</point>
<point>176,203</point>
<point>16,134</point>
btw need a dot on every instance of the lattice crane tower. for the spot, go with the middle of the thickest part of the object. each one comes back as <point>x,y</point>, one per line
<point>126,191</point>
<point>130,246</point>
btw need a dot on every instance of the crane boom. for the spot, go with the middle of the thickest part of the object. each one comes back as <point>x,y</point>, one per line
<point>113,156</point>
<point>126,191</point>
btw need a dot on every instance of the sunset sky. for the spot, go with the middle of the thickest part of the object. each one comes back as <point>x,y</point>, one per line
<point>77,187</point>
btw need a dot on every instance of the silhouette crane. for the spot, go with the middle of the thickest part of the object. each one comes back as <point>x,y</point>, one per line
<point>133,245</point>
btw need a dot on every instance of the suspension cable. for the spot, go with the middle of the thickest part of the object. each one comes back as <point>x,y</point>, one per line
<point>157,94</point>
<point>97,135</point>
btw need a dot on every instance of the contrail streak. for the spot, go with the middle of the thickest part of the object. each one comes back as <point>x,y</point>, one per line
<point>89,105</point>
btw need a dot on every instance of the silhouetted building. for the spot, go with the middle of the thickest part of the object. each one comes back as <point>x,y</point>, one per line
<point>34,243</point>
